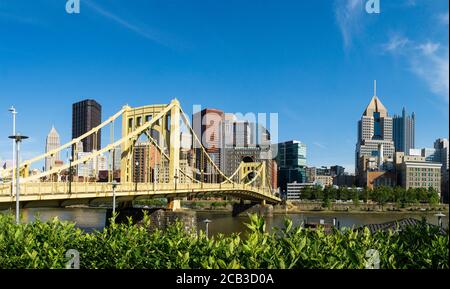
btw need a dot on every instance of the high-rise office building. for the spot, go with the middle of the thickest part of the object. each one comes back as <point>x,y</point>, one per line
<point>374,142</point>
<point>86,115</point>
<point>141,167</point>
<point>438,153</point>
<point>417,172</point>
<point>52,143</point>
<point>146,159</point>
<point>404,132</point>
<point>291,161</point>
<point>207,125</point>
<point>241,134</point>
<point>337,170</point>
<point>441,147</point>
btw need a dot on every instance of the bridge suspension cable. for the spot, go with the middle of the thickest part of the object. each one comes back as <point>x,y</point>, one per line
<point>27,163</point>
<point>84,159</point>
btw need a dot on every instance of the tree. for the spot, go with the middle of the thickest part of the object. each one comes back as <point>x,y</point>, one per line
<point>326,203</point>
<point>306,193</point>
<point>366,194</point>
<point>422,195</point>
<point>381,195</point>
<point>316,193</point>
<point>410,196</point>
<point>355,197</point>
<point>326,199</point>
<point>433,196</point>
<point>400,196</point>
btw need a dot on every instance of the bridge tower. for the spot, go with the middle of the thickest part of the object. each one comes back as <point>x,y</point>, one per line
<point>174,162</point>
<point>132,119</point>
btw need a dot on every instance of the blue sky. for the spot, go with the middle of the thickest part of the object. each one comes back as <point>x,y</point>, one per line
<point>313,62</point>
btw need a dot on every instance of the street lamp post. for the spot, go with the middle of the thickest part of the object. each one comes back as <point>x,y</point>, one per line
<point>135,176</point>
<point>70,174</point>
<point>175,177</point>
<point>207,221</point>
<point>13,112</point>
<point>18,138</point>
<point>114,185</point>
<point>201,177</point>
<point>440,215</point>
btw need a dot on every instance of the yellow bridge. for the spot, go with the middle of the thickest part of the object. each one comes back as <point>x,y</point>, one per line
<point>169,170</point>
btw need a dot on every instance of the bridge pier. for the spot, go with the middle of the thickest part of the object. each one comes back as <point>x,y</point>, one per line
<point>160,218</point>
<point>173,204</point>
<point>261,209</point>
<point>125,205</point>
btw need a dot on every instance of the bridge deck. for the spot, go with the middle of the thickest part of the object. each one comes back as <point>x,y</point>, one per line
<point>59,191</point>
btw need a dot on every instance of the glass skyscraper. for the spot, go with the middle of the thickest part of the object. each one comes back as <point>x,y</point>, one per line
<point>291,161</point>
<point>86,115</point>
<point>404,132</point>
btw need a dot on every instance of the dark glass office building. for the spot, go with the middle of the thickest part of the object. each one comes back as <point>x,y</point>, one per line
<point>86,115</point>
<point>404,132</point>
<point>291,160</point>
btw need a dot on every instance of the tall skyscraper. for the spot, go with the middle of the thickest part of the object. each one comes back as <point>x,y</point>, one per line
<point>241,134</point>
<point>374,144</point>
<point>291,161</point>
<point>146,162</point>
<point>86,115</point>
<point>52,143</point>
<point>441,147</point>
<point>404,132</point>
<point>207,125</point>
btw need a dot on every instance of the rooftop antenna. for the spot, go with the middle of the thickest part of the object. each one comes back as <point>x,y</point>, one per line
<point>375,87</point>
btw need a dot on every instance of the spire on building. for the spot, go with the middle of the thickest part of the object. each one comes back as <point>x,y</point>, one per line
<point>375,87</point>
<point>52,142</point>
<point>375,105</point>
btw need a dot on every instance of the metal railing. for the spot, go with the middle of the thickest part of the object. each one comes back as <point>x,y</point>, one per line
<point>44,189</point>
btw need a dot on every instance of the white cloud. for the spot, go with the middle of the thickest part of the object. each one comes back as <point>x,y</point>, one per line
<point>395,43</point>
<point>429,48</point>
<point>411,3</point>
<point>348,14</point>
<point>428,60</point>
<point>146,33</point>
<point>319,145</point>
<point>433,68</point>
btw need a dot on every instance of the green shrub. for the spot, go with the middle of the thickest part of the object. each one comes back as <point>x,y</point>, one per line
<point>43,245</point>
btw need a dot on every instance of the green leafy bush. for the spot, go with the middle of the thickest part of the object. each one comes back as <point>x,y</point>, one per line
<point>43,245</point>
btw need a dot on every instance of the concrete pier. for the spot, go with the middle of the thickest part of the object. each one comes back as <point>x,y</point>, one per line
<point>243,209</point>
<point>160,218</point>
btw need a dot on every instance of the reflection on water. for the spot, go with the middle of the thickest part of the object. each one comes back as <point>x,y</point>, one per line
<point>87,219</point>
<point>224,223</point>
<point>90,219</point>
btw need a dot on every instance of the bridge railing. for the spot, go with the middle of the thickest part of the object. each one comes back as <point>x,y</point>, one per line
<point>60,190</point>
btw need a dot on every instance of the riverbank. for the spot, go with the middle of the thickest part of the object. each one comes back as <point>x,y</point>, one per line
<point>308,206</point>
<point>316,207</point>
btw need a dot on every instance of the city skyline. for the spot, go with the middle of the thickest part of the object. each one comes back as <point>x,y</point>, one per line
<point>309,89</point>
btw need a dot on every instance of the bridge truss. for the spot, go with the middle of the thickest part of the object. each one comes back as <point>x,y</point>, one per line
<point>168,167</point>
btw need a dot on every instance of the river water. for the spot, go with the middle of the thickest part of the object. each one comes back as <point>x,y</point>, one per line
<point>91,219</point>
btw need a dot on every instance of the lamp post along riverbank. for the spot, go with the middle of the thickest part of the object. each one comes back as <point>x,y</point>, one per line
<point>13,112</point>
<point>18,139</point>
